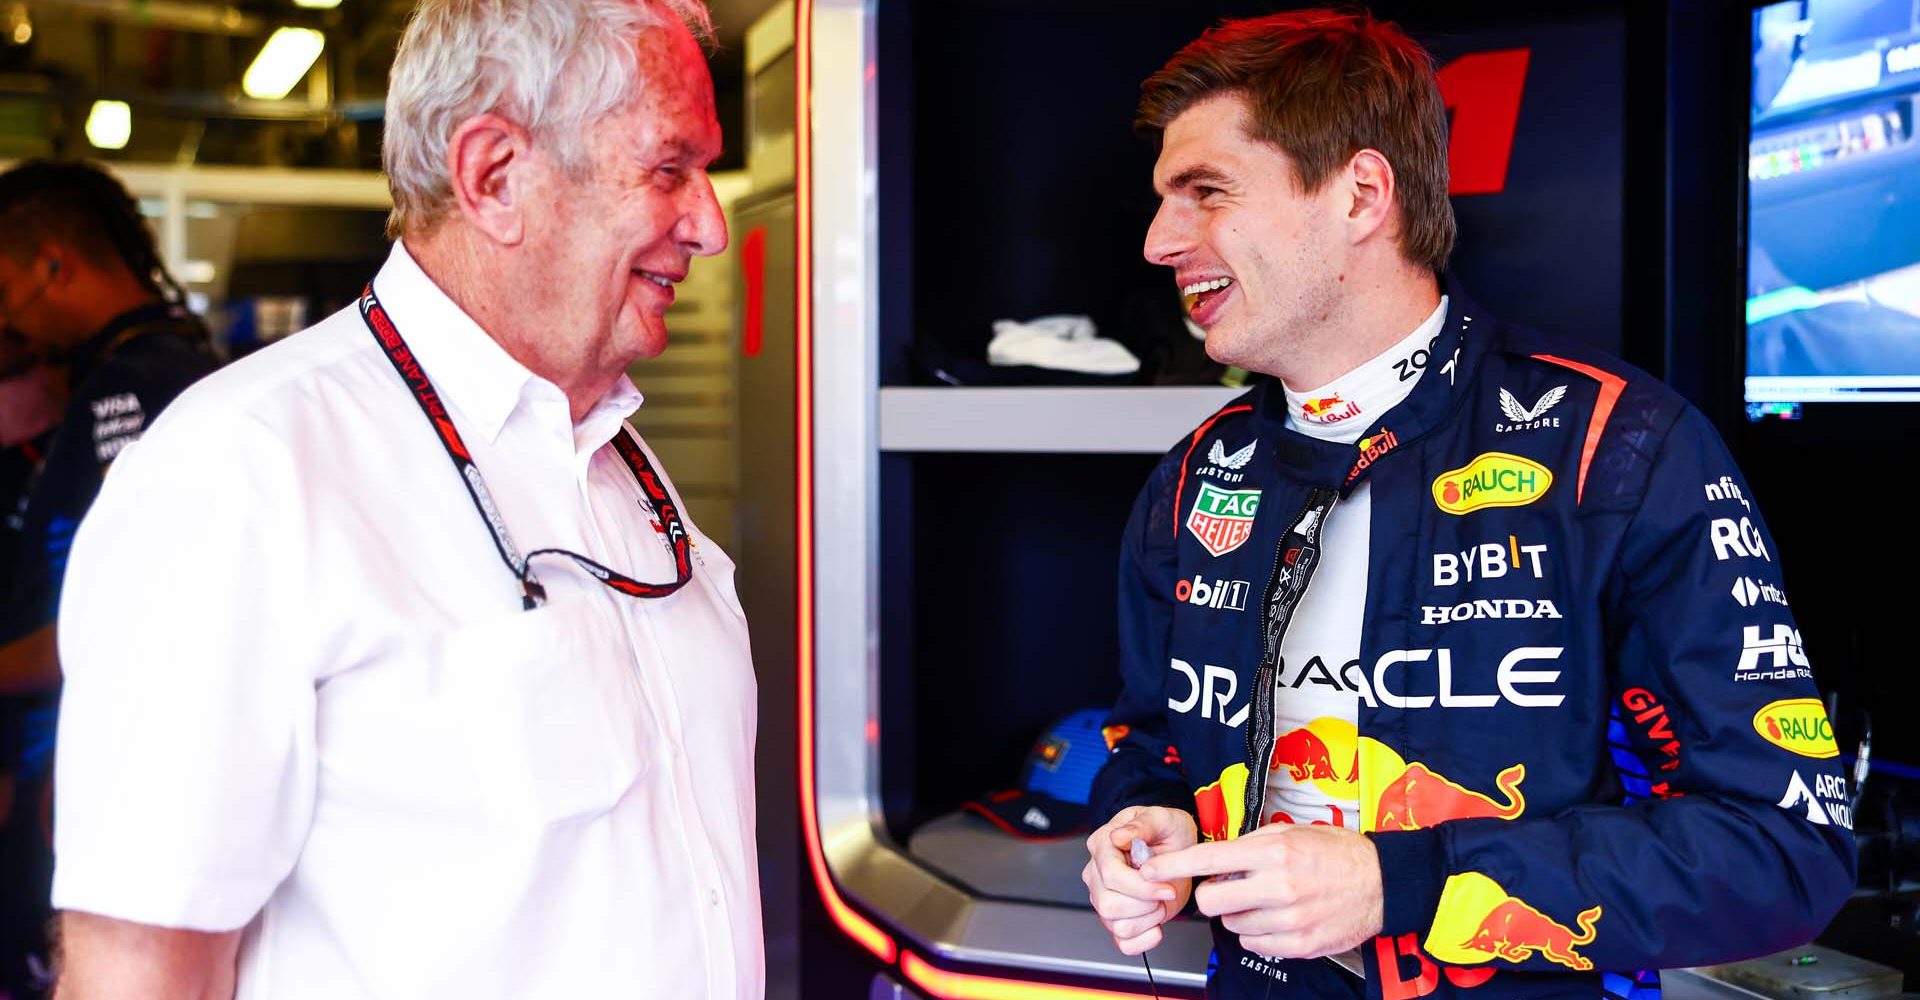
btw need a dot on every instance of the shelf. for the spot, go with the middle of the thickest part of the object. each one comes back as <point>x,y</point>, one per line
<point>1118,420</point>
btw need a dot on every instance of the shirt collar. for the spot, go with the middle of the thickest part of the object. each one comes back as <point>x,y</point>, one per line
<point>1366,392</point>
<point>470,369</point>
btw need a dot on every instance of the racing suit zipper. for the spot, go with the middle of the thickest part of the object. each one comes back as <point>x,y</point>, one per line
<point>1294,560</point>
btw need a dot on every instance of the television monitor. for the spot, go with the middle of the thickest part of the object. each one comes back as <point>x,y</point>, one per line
<point>1833,205</point>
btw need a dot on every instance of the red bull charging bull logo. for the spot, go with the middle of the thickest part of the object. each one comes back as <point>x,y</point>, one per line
<point>1420,799</point>
<point>1222,804</point>
<point>1477,922</point>
<point>1323,754</point>
<point>1396,795</point>
<point>1328,410</point>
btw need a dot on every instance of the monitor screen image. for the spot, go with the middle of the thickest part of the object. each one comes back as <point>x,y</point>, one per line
<point>1833,205</point>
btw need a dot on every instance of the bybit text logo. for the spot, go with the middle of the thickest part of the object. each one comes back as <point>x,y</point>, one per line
<point>1490,561</point>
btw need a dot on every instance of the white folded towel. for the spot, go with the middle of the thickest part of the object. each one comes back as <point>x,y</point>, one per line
<point>1065,343</point>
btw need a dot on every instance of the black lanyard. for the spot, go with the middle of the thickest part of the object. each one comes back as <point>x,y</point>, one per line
<point>532,593</point>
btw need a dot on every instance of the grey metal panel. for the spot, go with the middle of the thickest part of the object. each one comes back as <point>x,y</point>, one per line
<point>1032,419</point>
<point>767,566</point>
<point>939,917</point>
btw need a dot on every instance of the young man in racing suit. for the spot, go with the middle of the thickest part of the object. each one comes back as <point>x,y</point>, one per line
<point>1458,644</point>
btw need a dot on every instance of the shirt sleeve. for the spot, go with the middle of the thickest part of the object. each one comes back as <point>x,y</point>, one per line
<point>1738,842</point>
<point>186,759</point>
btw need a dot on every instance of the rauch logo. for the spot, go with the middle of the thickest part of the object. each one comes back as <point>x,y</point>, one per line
<point>1495,479</point>
<point>1798,725</point>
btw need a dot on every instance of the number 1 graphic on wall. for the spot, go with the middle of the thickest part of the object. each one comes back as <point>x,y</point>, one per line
<point>1483,92</point>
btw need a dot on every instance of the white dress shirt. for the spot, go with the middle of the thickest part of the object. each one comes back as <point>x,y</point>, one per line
<point>302,696</point>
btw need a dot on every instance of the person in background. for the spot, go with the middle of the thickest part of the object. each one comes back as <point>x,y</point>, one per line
<point>31,398</point>
<point>82,284</point>
<point>91,317</point>
<point>431,687</point>
<point>1457,644</point>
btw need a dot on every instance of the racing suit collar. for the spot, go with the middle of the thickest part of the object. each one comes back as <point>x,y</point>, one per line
<point>99,347</point>
<point>1452,363</point>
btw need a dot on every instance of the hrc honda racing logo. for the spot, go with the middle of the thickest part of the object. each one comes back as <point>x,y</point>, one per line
<point>1771,656</point>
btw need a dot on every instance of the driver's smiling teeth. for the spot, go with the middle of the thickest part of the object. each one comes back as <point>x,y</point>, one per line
<point>655,278</point>
<point>1206,286</point>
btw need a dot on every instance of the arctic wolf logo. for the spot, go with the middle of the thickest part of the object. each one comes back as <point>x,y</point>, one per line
<point>1237,460</point>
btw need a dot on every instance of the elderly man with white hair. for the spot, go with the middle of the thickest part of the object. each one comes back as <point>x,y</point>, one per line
<point>395,666</point>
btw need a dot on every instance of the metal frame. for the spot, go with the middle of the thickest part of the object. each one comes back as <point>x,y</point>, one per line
<point>861,873</point>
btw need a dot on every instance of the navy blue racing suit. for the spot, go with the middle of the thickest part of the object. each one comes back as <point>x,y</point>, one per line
<point>1589,744</point>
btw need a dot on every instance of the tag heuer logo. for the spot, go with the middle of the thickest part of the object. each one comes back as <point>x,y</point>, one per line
<point>1223,519</point>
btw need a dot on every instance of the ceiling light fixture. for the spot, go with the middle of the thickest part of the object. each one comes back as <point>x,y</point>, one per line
<point>110,124</point>
<point>317,4</point>
<point>19,24</point>
<point>286,57</point>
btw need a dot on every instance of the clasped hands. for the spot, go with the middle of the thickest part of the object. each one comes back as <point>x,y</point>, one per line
<point>1287,891</point>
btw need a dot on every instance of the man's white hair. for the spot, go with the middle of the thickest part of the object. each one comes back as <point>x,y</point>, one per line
<point>552,66</point>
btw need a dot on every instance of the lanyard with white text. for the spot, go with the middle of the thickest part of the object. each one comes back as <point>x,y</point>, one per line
<point>532,593</point>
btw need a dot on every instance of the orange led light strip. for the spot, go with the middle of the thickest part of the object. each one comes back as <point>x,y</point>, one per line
<point>959,986</point>
<point>938,982</point>
<point>845,917</point>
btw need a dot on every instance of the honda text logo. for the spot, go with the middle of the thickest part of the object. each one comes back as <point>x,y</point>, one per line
<point>1226,595</point>
<point>1441,614</point>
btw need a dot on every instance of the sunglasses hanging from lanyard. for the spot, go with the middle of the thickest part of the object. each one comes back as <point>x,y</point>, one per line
<point>532,594</point>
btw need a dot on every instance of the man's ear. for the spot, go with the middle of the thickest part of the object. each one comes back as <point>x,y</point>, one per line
<point>1370,178</point>
<point>490,167</point>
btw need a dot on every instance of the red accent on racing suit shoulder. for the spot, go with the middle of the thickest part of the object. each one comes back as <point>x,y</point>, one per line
<point>1611,386</point>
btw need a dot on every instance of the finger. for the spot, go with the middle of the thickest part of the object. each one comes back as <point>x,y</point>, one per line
<point>1119,876</point>
<point>1142,943</point>
<point>1112,906</point>
<point>1261,921</point>
<point>1217,897</point>
<point>1135,926</point>
<point>1218,857</point>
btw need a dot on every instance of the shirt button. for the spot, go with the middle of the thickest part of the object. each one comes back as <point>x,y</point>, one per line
<point>713,896</point>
